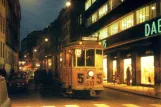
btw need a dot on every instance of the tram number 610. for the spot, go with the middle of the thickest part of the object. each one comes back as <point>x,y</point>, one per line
<point>90,83</point>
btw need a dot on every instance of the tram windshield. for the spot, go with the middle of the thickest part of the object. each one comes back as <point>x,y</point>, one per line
<point>83,59</point>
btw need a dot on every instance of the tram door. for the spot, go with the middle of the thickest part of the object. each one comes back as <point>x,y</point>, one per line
<point>69,57</point>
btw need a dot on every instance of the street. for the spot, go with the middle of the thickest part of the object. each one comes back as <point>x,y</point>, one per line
<point>108,98</point>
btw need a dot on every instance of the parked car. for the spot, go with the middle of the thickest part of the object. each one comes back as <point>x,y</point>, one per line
<point>18,80</point>
<point>4,100</point>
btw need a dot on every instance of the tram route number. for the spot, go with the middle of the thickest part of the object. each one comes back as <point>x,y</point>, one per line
<point>90,83</point>
<point>80,78</point>
<point>99,78</point>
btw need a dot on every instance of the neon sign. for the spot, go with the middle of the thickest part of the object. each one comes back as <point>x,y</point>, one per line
<point>154,28</point>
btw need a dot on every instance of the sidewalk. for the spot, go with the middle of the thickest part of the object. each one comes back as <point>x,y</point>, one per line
<point>146,91</point>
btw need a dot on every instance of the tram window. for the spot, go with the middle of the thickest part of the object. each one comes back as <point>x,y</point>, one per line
<point>90,57</point>
<point>80,57</point>
<point>99,52</point>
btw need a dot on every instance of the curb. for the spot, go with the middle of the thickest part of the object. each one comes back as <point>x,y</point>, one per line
<point>132,92</point>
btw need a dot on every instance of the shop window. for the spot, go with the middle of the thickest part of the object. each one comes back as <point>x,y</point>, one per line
<point>113,29</point>
<point>147,70</point>
<point>103,33</point>
<point>127,22</point>
<point>127,66</point>
<point>114,67</point>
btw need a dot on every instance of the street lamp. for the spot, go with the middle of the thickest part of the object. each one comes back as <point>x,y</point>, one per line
<point>46,39</point>
<point>35,50</point>
<point>68,3</point>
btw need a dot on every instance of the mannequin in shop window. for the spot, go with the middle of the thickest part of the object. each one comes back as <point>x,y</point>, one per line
<point>128,74</point>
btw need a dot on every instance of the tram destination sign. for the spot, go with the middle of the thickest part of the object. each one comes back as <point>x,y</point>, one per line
<point>89,38</point>
<point>153,27</point>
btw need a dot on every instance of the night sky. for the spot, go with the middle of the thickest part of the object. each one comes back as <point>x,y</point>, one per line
<point>38,14</point>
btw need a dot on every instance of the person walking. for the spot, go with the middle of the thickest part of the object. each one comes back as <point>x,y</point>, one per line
<point>4,74</point>
<point>128,75</point>
<point>37,79</point>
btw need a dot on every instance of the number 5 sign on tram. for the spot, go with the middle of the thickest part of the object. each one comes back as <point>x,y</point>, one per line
<point>99,78</point>
<point>80,78</point>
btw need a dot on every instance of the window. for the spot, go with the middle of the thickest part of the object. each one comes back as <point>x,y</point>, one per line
<point>113,29</point>
<point>94,17</point>
<point>146,13</point>
<point>90,59</point>
<point>103,10</point>
<point>87,4</point>
<point>127,22</point>
<point>103,33</point>
<point>80,54</point>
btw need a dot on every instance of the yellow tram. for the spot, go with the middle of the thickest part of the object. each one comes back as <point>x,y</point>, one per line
<point>80,67</point>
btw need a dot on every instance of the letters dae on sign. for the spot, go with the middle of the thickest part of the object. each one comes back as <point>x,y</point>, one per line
<point>154,28</point>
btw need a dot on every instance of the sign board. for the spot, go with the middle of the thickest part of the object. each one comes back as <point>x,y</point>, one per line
<point>1,60</point>
<point>89,38</point>
<point>153,28</point>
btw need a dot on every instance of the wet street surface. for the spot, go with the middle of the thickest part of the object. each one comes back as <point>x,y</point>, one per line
<point>53,98</point>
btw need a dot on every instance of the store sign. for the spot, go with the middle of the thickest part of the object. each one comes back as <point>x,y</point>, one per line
<point>153,28</point>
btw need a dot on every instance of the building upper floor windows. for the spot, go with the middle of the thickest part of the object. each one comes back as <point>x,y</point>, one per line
<point>89,3</point>
<point>132,19</point>
<point>107,7</point>
<point>146,13</point>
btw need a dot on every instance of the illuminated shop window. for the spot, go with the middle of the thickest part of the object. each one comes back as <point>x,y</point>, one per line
<point>113,29</point>
<point>94,17</point>
<point>147,70</point>
<point>127,65</point>
<point>146,13</point>
<point>103,33</point>
<point>114,67</point>
<point>127,22</point>
<point>103,10</point>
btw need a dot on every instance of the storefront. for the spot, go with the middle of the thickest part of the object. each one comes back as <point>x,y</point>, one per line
<point>140,54</point>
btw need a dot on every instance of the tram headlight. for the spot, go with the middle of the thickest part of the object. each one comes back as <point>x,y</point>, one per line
<point>90,73</point>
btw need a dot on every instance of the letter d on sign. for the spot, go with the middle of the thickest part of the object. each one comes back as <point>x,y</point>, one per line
<point>147,29</point>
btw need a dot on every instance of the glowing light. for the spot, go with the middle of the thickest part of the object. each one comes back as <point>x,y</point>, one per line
<point>153,8</point>
<point>80,43</point>
<point>25,56</point>
<point>99,43</point>
<point>46,40</point>
<point>68,4</point>
<point>35,50</point>
<point>101,105</point>
<point>90,73</point>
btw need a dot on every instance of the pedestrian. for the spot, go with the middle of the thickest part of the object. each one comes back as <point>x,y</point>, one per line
<point>128,76</point>
<point>49,77</point>
<point>1,72</point>
<point>37,79</point>
<point>4,74</point>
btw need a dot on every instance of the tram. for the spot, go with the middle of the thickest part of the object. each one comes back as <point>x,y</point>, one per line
<point>80,67</point>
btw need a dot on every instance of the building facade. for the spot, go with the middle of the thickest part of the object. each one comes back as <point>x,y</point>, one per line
<point>131,38</point>
<point>10,17</point>
<point>71,22</point>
